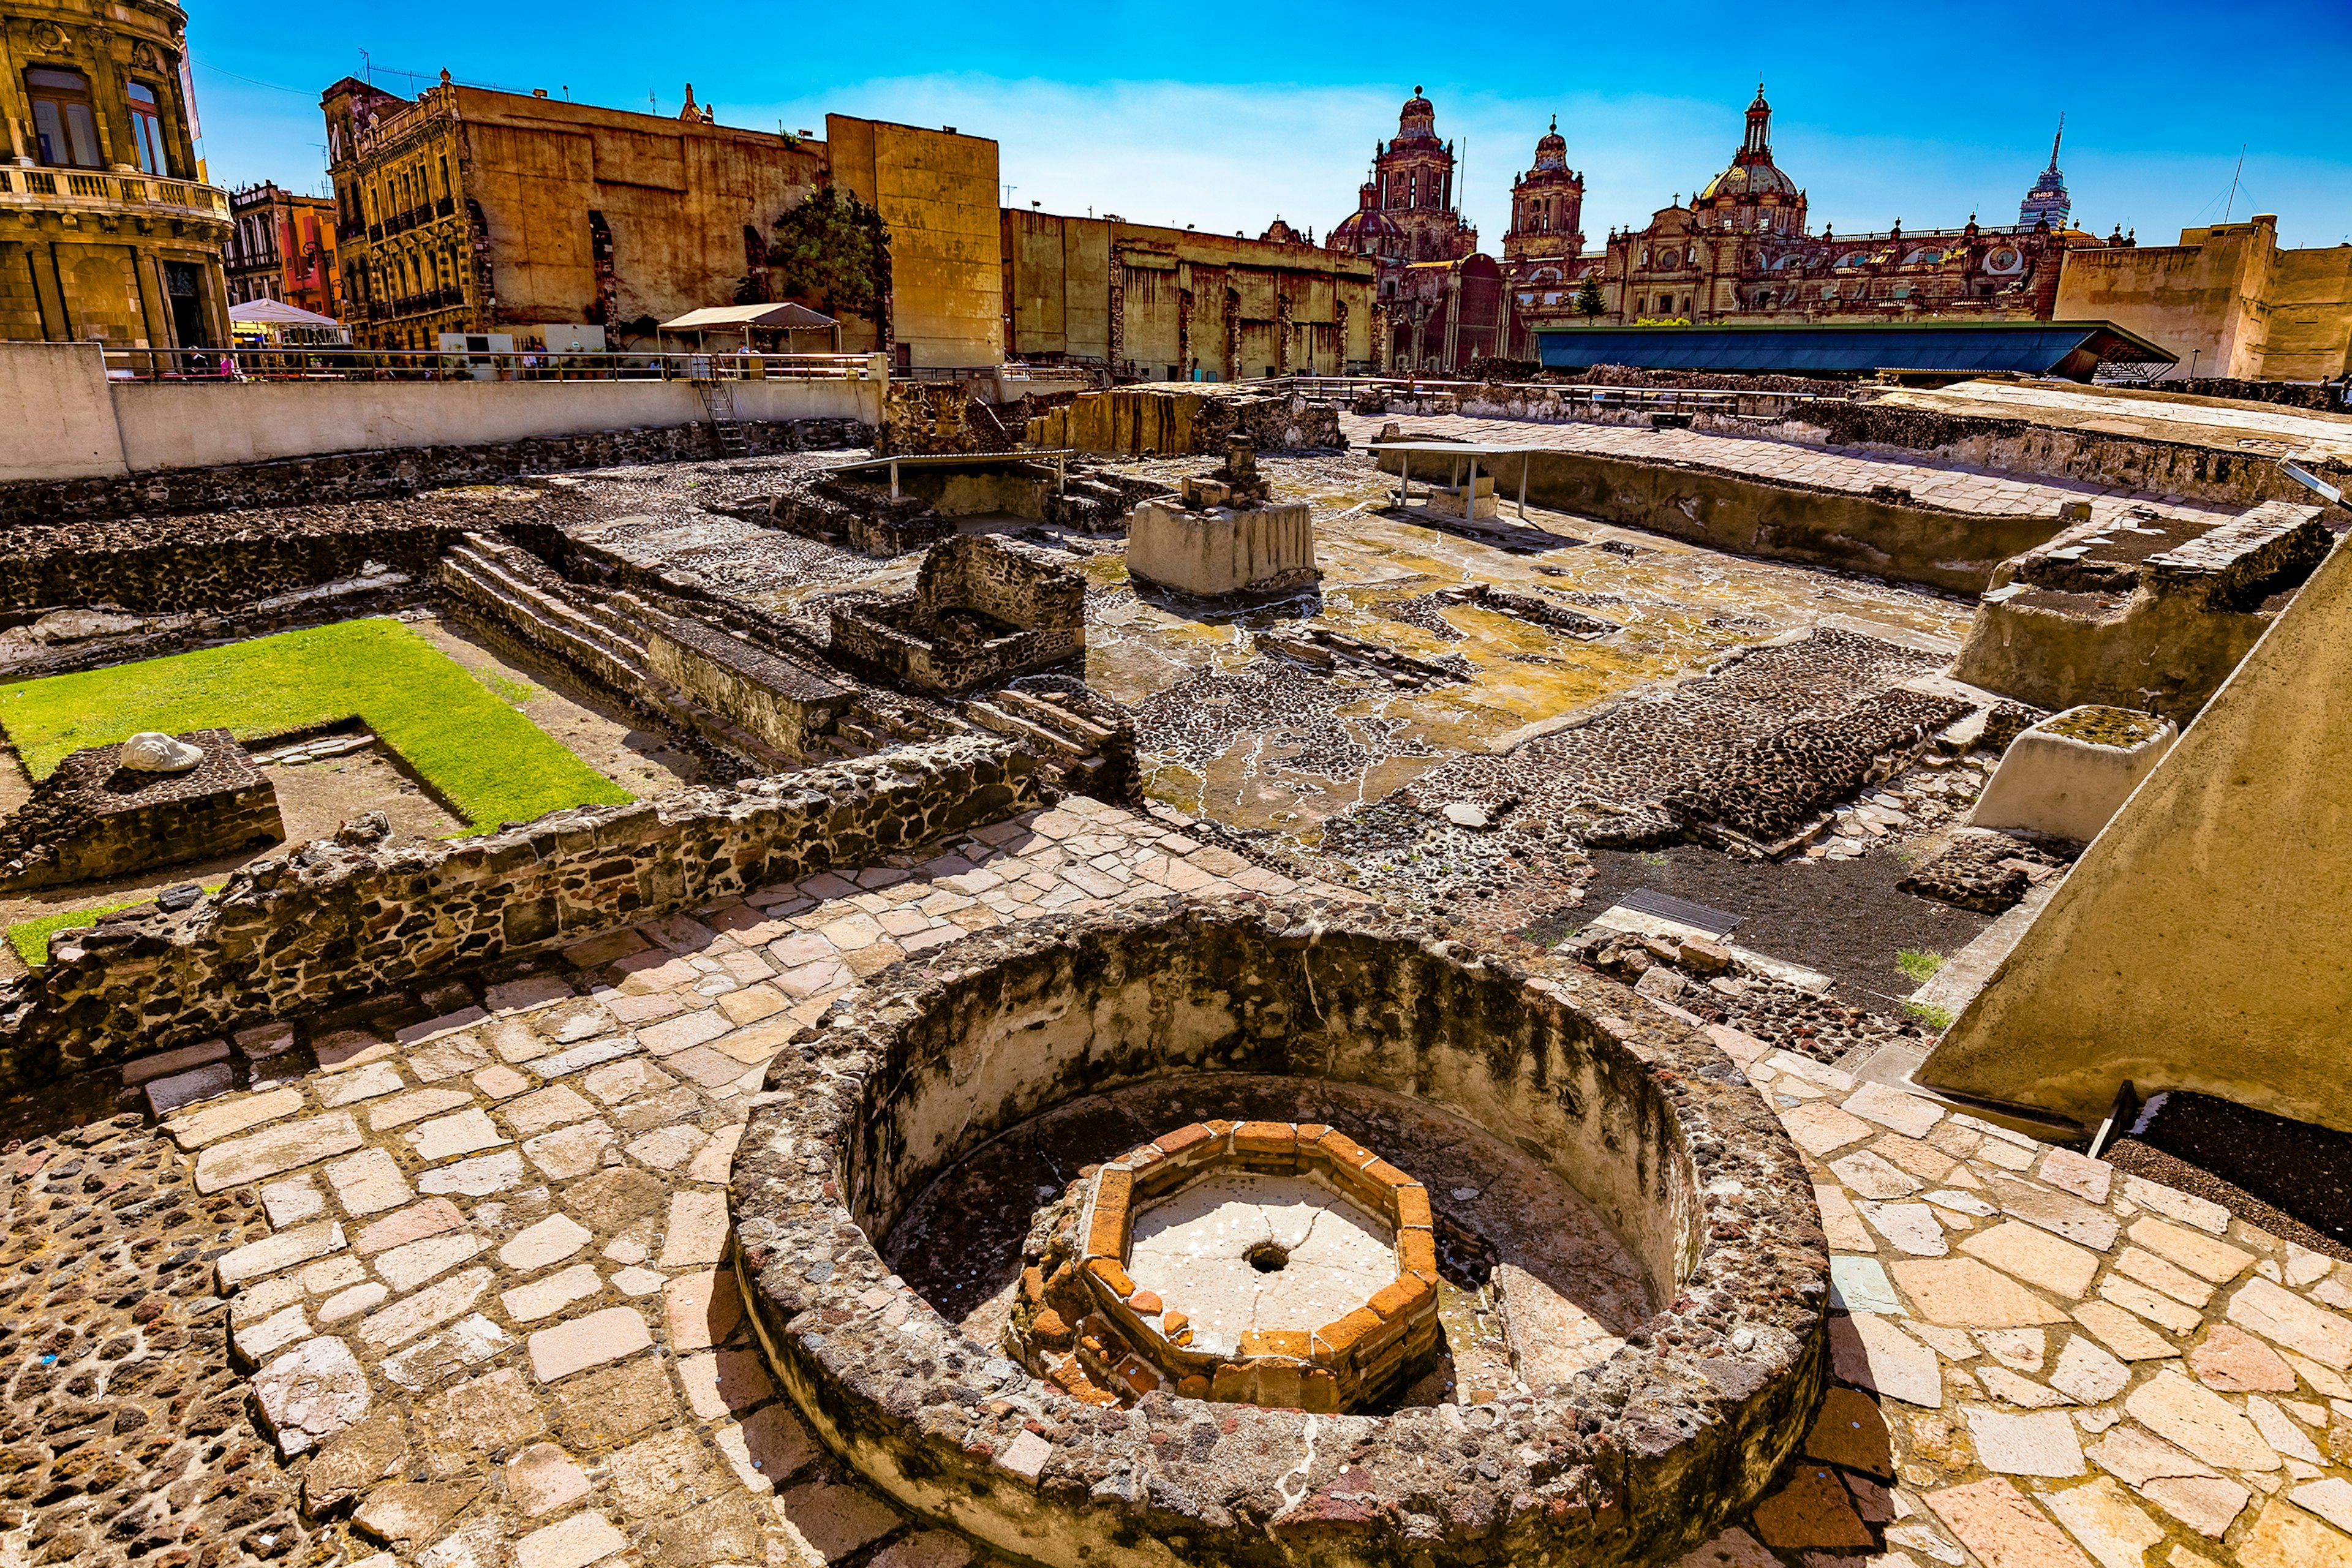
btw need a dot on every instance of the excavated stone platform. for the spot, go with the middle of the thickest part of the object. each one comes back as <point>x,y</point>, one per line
<point>2037,1361</point>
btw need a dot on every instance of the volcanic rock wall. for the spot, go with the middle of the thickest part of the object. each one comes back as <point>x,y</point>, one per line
<point>331,920</point>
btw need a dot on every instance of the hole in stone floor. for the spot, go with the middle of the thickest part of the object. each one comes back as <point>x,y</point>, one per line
<point>1267,1257</point>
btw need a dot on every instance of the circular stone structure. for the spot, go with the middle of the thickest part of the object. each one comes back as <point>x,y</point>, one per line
<point>1629,1461</point>
<point>1251,1262</point>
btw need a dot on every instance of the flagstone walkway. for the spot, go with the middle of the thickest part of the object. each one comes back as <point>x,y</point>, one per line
<point>492,1317</point>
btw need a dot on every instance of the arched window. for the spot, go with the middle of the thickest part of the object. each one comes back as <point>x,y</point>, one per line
<point>63,124</point>
<point>147,129</point>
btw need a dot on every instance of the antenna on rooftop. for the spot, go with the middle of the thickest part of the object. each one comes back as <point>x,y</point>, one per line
<point>2234,183</point>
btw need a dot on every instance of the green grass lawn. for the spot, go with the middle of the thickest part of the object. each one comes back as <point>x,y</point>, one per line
<point>31,937</point>
<point>487,761</point>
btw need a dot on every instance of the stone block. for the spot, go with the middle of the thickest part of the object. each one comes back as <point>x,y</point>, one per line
<point>1222,552</point>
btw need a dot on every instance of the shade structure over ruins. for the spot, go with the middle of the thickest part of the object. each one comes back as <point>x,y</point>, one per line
<point>2070,349</point>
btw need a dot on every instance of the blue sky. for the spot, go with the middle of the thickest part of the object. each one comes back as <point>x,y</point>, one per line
<point>1924,111</point>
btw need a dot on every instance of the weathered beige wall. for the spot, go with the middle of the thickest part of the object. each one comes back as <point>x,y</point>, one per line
<point>2310,335</point>
<point>676,197</point>
<point>1750,516</point>
<point>1222,551</point>
<point>55,409</point>
<point>1171,301</point>
<point>2200,943</point>
<point>195,427</point>
<point>2227,300</point>
<point>2165,652</point>
<point>937,192</point>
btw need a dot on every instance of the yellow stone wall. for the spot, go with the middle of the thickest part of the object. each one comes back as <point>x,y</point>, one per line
<point>2227,300</point>
<point>1178,304</point>
<point>937,191</point>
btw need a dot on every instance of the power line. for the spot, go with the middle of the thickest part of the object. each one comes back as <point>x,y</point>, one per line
<point>255,81</point>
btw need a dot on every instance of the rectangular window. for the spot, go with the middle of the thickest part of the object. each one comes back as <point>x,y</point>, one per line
<point>62,121</point>
<point>147,129</point>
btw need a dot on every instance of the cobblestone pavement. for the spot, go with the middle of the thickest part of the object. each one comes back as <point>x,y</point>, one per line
<point>475,1280</point>
<point>475,1268</point>
<point>1955,487</point>
<point>2043,1363</point>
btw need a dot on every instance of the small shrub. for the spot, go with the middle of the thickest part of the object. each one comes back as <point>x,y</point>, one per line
<point>1928,1013</point>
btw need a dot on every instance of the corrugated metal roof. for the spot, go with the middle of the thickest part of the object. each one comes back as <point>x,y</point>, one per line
<point>2029,348</point>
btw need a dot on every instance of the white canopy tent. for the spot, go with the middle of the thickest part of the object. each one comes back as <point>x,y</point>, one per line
<point>276,322</point>
<point>787,321</point>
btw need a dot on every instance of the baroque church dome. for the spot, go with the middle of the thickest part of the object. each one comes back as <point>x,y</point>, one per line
<point>1752,172</point>
<point>1366,231</point>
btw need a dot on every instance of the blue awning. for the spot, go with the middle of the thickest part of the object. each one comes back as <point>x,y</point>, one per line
<point>2072,349</point>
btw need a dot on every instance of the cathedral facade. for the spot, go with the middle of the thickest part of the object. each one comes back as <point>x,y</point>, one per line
<point>1430,316</point>
<point>1742,252</point>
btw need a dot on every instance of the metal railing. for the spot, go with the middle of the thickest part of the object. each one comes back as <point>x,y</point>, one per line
<point>352,364</point>
<point>1576,398</point>
<point>76,187</point>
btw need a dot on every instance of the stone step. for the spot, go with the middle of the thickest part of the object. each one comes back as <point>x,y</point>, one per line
<point>1004,723</point>
<point>542,618</point>
<point>1051,714</point>
<point>573,630</point>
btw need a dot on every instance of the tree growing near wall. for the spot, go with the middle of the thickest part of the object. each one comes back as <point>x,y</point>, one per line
<point>835,249</point>
<point>1589,303</point>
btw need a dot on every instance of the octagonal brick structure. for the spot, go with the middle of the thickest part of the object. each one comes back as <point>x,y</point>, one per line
<point>1352,1357</point>
<point>1628,1463</point>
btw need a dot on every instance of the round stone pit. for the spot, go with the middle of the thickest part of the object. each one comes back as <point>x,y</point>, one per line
<point>1631,1457</point>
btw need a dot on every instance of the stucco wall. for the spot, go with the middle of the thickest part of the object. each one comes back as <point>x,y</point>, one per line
<point>1891,538</point>
<point>64,421</point>
<point>195,427</point>
<point>937,192</point>
<point>2198,944</point>
<point>2226,299</point>
<point>54,405</point>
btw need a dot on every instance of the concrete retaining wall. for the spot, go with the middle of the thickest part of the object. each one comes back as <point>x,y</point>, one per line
<point>55,405</point>
<point>67,421</point>
<point>1898,540</point>
<point>2198,943</point>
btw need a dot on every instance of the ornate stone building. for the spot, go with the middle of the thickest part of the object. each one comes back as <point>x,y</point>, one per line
<point>467,210</point>
<point>108,231</point>
<point>1406,212</point>
<point>1741,252</point>
<point>282,247</point>
<point>1543,252</point>
<point>1406,217</point>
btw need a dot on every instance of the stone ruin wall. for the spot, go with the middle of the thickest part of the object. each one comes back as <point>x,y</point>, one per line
<point>2018,446</point>
<point>1188,421</point>
<point>364,475</point>
<point>1009,579</point>
<point>169,563</point>
<point>1684,1161</point>
<point>2012,446</point>
<point>300,930</point>
<point>75,828</point>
